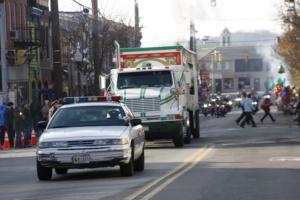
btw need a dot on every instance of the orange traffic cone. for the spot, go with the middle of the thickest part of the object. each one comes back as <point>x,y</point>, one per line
<point>6,142</point>
<point>33,138</point>
<point>23,140</point>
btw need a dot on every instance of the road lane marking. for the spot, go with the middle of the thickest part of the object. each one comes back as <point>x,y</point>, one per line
<point>173,178</point>
<point>283,159</point>
<point>173,171</point>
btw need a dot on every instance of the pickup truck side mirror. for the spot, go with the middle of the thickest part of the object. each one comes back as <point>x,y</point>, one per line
<point>135,122</point>
<point>42,125</point>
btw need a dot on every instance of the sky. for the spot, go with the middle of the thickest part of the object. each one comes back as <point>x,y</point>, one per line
<point>166,22</point>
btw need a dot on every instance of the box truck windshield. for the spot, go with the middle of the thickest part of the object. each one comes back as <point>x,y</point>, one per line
<point>145,79</point>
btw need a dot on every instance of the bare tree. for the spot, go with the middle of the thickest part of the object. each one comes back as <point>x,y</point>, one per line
<point>76,28</point>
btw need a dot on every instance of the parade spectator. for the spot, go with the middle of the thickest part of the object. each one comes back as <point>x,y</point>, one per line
<point>27,123</point>
<point>52,110</point>
<point>45,110</point>
<point>19,124</point>
<point>266,106</point>
<point>2,123</point>
<point>248,109</point>
<point>36,114</point>
<point>10,122</point>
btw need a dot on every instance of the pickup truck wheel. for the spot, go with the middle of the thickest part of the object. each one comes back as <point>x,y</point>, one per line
<point>139,164</point>
<point>61,171</point>
<point>44,173</point>
<point>128,169</point>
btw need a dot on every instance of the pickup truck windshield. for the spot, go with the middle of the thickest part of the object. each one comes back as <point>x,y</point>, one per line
<point>144,79</point>
<point>88,116</point>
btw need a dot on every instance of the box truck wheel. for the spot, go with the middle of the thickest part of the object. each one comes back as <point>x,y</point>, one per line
<point>179,140</point>
<point>196,133</point>
<point>187,138</point>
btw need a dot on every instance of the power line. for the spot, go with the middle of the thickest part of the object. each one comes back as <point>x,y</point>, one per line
<point>243,41</point>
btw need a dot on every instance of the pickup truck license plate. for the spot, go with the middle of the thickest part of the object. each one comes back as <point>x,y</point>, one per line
<point>81,158</point>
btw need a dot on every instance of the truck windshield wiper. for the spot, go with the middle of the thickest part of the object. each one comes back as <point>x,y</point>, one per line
<point>62,126</point>
<point>126,87</point>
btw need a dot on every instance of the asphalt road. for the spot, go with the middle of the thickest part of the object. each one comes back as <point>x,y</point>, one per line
<point>228,162</point>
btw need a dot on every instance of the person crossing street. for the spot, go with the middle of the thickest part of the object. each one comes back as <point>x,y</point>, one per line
<point>266,106</point>
<point>248,109</point>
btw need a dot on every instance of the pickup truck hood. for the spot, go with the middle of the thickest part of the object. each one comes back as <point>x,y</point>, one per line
<point>82,133</point>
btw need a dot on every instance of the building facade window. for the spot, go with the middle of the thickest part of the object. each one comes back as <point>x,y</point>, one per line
<point>256,84</point>
<point>228,83</point>
<point>225,65</point>
<point>250,65</point>
<point>244,83</point>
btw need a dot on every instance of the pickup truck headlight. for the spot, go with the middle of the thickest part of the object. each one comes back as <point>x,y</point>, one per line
<point>121,141</point>
<point>52,144</point>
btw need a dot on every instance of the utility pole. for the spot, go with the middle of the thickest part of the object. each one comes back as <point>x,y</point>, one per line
<point>136,24</point>
<point>95,41</point>
<point>4,70</point>
<point>193,46</point>
<point>57,69</point>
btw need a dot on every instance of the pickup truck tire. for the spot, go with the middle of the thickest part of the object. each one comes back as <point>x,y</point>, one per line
<point>179,141</point>
<point>128,169</point>
<point>44,173</point>
<point>139,164</point>
<point>197,125</point>
<point>61,171</point>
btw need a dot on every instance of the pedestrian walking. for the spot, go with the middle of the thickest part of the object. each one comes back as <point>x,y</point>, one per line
<point>10,122</point>
<point>19,126</point>
<point>243,114</point>
<point>248,109</point>
<point>266,106</point>
<point>2,123</point>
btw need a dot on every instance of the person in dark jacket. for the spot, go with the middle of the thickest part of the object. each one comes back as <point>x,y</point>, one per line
<point>36,114</point>
<point>10,122</point>
<point>19,125</point>
<point>266,106</point>
<point>2,123</point>
<point>27,123</point>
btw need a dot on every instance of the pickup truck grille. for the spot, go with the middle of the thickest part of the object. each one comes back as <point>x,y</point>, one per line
<point>143,105</point>
<point>81,143</point>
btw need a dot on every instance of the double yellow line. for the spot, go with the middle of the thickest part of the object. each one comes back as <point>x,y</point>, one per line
<point>153,188</point>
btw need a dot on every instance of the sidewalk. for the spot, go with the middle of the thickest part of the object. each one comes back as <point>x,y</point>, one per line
<point>18,153</point>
